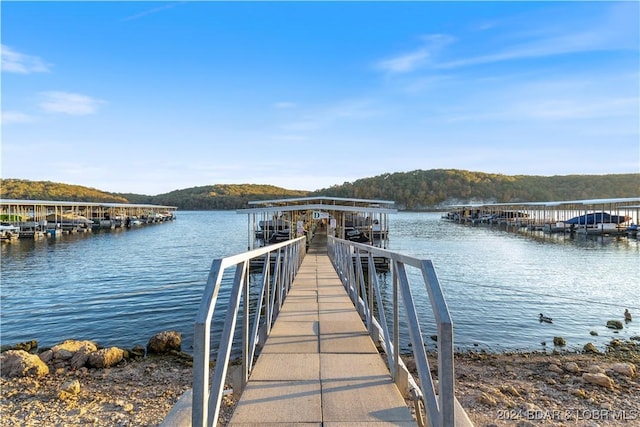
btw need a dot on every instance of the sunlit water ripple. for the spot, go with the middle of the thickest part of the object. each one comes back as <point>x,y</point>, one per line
<point>121,287</point>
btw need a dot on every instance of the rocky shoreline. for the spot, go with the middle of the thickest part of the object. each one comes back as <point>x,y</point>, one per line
<point>588,388</point>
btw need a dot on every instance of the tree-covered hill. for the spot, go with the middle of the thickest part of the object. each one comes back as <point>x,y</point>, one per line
<point>415,190</point>
<point>21,189</point>
<point>220,196</point>
<point>423,189</point>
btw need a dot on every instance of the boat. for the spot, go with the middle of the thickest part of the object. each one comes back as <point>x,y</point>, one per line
<point>9,231</point>
<point>598,218</point>
<point>355,235</point>
<point>279,236</point>
<point>279,224</point>
<point>68,220</point>
<point>600,223</point>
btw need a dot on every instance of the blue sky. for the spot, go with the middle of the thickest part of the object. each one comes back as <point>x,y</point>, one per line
<point>150,97</point>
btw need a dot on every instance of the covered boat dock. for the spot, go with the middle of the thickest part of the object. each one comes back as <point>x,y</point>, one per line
<point>358,220</point>
<point>616,216</point>
<point>37,218</point>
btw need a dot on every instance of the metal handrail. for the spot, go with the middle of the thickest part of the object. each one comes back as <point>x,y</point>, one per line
<point>274,285</point>
<point>352,261</point>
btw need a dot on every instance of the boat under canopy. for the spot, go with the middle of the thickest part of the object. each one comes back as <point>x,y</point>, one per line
<point>598,218</point>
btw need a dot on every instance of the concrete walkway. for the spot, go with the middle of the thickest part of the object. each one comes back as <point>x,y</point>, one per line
<point>319,367</point>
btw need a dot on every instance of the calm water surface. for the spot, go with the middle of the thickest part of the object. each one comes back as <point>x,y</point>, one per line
<point>121,287</point>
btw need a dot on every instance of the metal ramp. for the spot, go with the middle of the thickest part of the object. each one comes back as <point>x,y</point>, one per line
<point>319,366</point>
<point>309,323</point>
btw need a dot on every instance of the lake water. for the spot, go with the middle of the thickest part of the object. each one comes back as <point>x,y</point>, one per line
<point>121,287</point>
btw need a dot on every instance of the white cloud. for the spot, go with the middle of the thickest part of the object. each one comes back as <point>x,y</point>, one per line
<point>324,117</point>
<point>11,117</point>
<point>552,46</point>
<point>615,30</point>
<point>406,62</point>
<point>69,103</point>
<point>151,11</point>
<point>563,109</point>
<point>16,62</point>
<point>411,61</point>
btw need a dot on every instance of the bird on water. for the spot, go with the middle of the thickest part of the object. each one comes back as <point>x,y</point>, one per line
<point>546,319</point>
<point>627,315</point>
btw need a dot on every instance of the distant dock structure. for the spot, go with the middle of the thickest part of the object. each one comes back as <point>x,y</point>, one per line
<point>357,220</point>
<point>615,216</point>
<point>40,218</point>
<point>363,221</point>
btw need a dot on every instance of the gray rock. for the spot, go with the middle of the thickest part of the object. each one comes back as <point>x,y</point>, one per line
<point>27,346</point>
<point>614,324</point>
<point>80,357</point>
<point>66,350</point>
<point>598,379</point>
<point>164,342</point>
<point>19,363</point>
<point>572,367</point>
<point>46,356</point>
<point>555,368</point>
<point>627,369</point>
<point>595,369</point>
<point>590,348</point>
<point>559,341</point>
<point>105,358</point>
<point>71,387</point>
<point>137,351</point>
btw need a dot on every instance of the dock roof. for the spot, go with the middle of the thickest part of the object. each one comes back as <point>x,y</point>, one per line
<point>77,203</point>
<point>321,203</point>
<point>586,202</point>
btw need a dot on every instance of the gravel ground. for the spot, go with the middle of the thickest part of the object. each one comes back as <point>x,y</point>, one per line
<point>531,389</point>
<point>507,389</point>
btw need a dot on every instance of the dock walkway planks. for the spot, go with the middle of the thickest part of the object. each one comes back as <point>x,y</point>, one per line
<point>319,366</point>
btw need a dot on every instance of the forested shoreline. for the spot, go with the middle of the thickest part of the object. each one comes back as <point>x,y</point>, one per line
<point>415,190</point>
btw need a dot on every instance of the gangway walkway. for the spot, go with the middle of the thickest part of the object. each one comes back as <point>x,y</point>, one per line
<point>319,366</point>
<point>316,363</point>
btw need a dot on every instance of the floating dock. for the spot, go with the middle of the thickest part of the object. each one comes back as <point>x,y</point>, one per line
<point>359,220</point>
<point>319,365</point>
<point>616,216</point>
<point>345,218</point>
<point>40,218</point>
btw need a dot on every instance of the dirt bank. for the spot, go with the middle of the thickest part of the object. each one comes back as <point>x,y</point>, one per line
<point>520,389</point>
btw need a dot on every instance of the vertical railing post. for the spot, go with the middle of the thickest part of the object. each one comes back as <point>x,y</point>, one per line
<point>226,340</point>
<point>246,340</point>
<point>207,398</point>
<point>202,346</point>
<point>396,320</point>
<point>371,271</point>
<point>346,258</point>
<point>267,298</point>
<point>446,378</point>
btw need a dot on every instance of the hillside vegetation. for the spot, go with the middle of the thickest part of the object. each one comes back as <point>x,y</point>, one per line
<point>415,190</point>
<point>21,189</point>
<point>422,189</point>
<point>221,196</point>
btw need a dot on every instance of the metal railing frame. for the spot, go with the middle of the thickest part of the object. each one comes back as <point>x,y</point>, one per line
<point>274,285</point>
<point>352,261</point>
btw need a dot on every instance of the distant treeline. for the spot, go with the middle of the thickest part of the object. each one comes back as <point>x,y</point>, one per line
<point>22,189</point>
<point>415,190</point>
<point>216,197</point>
<point>425,189</point>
